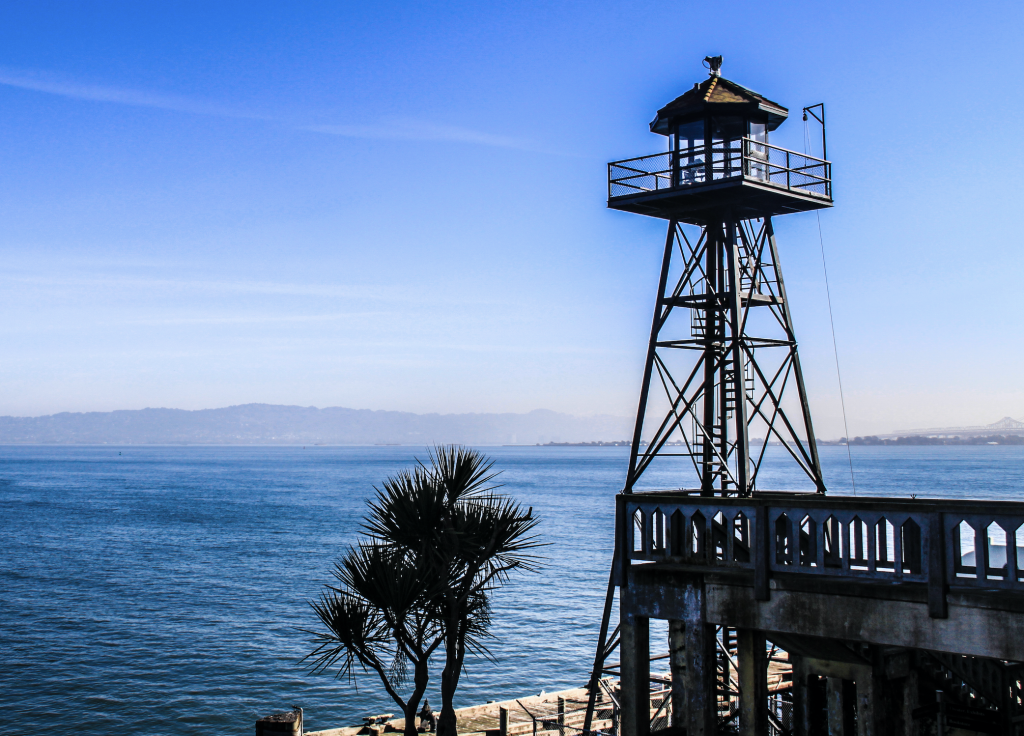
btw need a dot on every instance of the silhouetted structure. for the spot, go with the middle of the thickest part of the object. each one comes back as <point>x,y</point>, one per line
<point>722,355</point>
<point>895,616</point>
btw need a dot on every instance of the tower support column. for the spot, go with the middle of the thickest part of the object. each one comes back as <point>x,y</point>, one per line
<point>870,705</point>
<point>645,387</point>
<point>753,682</point>
<point>677,667</point>
<point>805,406</point>
<point>701,675</point>
<point>835,705</point>
<point>635,675</point>
<point>801,704</point>
<point>911,693</point>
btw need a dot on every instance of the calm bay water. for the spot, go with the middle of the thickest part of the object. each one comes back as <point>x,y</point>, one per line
<point>162,590</point>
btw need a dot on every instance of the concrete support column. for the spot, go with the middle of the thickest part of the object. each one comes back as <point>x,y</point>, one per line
<point>911,689</point>
<point>865,707</point>
<point>1006,706</point>
<point>701,671</point>
<point>635,659</point>
<point>835,706</point>
<point>677,666</point>
<point>753,682</point>
<point>870,702</point>
<point>801,702</point>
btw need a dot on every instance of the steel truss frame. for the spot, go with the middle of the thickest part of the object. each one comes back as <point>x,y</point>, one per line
<point>727,271</point>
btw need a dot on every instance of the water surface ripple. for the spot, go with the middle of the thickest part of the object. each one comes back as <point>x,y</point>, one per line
<point>161,590</point>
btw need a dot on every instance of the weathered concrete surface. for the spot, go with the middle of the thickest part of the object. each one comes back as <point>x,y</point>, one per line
<point>753,667</point>
<point>481,720</point>
<point>635,693</point>
<point>280,724</point>
<point>701,664</point>
<point>982,631</point>
<point>968,630</point>
<point>677,670</point>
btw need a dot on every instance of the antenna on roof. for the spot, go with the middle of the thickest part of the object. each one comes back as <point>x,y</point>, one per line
<point>714,65</point>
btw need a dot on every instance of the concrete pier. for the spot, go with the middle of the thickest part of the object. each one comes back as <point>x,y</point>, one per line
<point>897,616</point>
<point>547,714</point>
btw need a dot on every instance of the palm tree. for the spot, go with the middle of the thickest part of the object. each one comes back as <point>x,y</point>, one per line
<point>380,617</point>
<point>440,541</point>
<point>471,538</point>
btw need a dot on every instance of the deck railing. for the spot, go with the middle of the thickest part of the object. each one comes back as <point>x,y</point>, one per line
<point>737,159</point>
<point>966,544</point>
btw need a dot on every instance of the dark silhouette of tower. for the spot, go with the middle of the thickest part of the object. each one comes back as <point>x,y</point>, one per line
<point>867,597</point>
<point>722,364</point>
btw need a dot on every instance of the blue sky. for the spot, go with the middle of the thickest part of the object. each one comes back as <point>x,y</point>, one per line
<point>402,206</point>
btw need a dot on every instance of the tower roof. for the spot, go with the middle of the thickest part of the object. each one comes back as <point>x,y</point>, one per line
<point>718,95</point>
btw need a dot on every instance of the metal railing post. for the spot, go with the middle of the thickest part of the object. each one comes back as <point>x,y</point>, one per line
<point>937,607</point>
<point>760,556</point>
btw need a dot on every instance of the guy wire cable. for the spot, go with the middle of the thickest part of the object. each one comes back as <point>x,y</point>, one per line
<point>835,348</point>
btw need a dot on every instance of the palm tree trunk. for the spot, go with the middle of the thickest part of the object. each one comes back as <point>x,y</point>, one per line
<point>411,716</point>
<point>420,680</point>
<point>447,724</point>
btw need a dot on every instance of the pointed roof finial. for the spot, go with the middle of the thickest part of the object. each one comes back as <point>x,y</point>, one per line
<point>714,65</point>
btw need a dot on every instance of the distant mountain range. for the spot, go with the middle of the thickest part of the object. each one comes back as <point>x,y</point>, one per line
<point>268,424</point>
<point>1006,426</point>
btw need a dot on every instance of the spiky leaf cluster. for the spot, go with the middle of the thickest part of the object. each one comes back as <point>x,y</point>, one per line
<point>439,540</point>
<point>449,515</point>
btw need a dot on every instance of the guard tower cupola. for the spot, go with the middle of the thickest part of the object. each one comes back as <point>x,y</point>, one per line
<point>718,138</point>
<point>715,110</point>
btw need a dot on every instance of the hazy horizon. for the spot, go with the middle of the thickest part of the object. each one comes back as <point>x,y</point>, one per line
<point>402,206</point>
<point>596,435</point>
<point>307,406</point>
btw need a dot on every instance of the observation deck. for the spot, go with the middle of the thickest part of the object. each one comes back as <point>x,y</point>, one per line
<point>745,177</point>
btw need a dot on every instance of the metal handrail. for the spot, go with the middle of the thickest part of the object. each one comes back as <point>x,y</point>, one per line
<point>741,158</point>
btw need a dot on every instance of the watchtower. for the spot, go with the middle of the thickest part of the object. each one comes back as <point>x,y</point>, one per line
<point>722,353</point>
<point>789,613</point>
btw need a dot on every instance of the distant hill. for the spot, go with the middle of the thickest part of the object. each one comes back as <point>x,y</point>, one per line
<point>270,424</point>
<point>1007,426</point>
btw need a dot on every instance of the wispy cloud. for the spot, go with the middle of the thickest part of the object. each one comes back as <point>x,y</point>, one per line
<point>54,85</point>
<point>259,319</point>
<point>414,130</point>
<point>386,129</point>
<point>157,287</point>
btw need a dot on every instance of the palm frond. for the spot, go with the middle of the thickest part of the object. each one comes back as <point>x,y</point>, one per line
<point>497,532</point>
<point>388,577</point>
<point>406,505</point>
<point>460,471</point>
<point>355,633</point>
<point>398,670</point>
<point>478,625</point>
